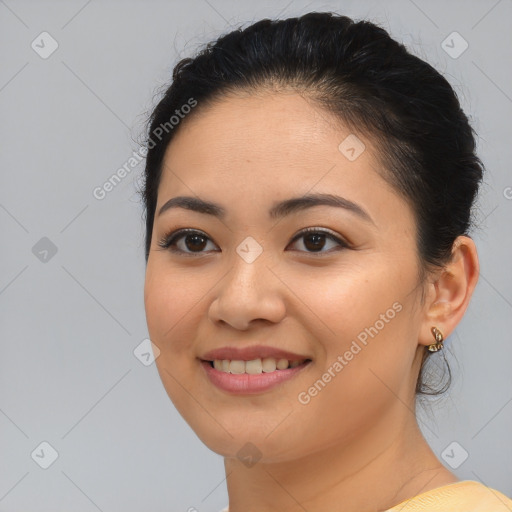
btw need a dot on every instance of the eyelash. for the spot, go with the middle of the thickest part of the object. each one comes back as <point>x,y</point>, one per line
<point>167,242</point>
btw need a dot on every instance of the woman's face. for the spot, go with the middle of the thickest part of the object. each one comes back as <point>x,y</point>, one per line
<point>349,305</point>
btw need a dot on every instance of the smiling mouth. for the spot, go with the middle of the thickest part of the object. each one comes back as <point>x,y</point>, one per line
<point>255,366</point>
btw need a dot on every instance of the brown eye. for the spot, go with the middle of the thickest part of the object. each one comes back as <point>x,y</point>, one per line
<point>314,240</point>
<point>195,242</point>
<point>190,241</point>
<point>186,241</point>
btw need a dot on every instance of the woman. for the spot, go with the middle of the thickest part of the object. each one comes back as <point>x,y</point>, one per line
<point>308,193</point>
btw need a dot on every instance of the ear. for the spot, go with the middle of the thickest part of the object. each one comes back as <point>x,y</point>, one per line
<point>450,291</point>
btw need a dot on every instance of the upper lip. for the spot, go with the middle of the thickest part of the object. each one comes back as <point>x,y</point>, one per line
<point>251,353</point>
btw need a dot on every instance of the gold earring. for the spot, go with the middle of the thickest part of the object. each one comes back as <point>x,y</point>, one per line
<point>438,345</point>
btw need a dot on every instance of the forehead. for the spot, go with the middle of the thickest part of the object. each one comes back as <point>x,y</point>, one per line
<point>277,134</point>
<point>261,148</point>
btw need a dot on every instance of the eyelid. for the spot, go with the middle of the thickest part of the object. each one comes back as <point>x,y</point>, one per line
<point>325,231</point>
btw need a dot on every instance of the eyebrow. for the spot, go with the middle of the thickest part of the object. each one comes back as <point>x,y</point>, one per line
<point>277,211</point>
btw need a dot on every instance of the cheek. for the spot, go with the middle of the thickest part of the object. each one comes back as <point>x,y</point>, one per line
<point>169,302</point>
<point>171,311</point>
<point>352,302</point>
<point>364,317</point>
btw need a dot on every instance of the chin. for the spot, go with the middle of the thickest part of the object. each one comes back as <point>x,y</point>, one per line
<point>241,441</point>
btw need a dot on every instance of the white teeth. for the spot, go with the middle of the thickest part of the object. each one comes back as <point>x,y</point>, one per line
<point>282,364</point>
<point>237,366</point>
<point>254,367</point>
<point>269,364</point>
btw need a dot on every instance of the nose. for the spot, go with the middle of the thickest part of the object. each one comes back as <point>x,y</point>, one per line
<point>248,293</point>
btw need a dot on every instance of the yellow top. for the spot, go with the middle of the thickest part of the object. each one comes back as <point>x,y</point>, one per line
<point>462,496</point>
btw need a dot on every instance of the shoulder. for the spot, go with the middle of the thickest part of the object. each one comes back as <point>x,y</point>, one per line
<point>462,496</point>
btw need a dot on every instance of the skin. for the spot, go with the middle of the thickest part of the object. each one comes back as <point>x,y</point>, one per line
<point>357,442</point>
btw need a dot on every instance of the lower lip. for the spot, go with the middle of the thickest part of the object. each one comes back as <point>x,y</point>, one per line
<point>245,383</point>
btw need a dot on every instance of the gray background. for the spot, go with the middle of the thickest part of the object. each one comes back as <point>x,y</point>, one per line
<point>70,323</point>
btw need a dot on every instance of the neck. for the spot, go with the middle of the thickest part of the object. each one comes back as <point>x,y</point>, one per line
<point>373,471</point>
